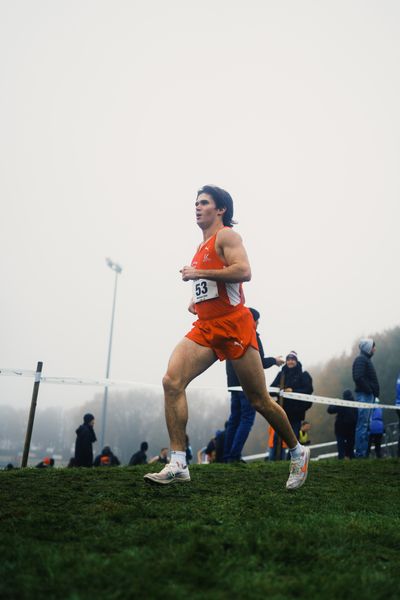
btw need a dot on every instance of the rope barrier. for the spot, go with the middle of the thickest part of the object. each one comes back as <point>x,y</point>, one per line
<point>322,399</point>
<point>134,384</point>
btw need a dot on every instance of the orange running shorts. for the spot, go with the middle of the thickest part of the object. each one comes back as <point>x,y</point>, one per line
<point>229,336</point>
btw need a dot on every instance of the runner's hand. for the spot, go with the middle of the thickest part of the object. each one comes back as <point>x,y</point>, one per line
<point>191,308</point>
<point>188,273</point>
<point>279,361</point>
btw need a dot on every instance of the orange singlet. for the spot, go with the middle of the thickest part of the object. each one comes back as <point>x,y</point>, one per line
<point>224,323</point>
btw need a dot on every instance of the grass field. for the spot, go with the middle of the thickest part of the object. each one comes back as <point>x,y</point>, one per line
<point>233,532</point>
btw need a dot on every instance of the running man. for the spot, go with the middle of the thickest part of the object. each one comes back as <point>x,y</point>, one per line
<point>224,329</point>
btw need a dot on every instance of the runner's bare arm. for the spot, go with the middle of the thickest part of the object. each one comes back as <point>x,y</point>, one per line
<point>230,247</point>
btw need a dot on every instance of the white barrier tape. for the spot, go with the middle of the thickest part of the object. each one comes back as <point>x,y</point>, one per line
<point>74,380</point>
<point>97,382</point>
<point>19,372</point>
<point>314,447</point>
<point>263,454</point>
<point>322,399</point>
<point>93,382</point>
<point>111,382</point>
<point>334,454</point>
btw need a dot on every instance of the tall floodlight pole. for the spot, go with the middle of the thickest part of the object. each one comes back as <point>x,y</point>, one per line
<point>117,270</point>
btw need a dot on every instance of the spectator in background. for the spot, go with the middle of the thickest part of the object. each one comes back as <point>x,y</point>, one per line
<point>242,414</point>
<point>304,437</point>
<point>46,463</point>
<point>106,459</point>
<point>85,438</point>
<point>273,446</point>
<point>220,435</point>
<point>211,450</point>
<point>189,451</point>
<point>345,426</point>
<point>140,457</point>
<point>202,457</point>
<point>398,411</point>
<point>367,389</point>
<point>161,458</point>
<point>376,431</point>
<point>292,378</point>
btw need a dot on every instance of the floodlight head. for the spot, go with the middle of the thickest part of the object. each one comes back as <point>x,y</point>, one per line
<point>114,266</point>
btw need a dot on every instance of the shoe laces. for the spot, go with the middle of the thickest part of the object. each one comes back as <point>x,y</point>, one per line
<point>295,466</point>
<point>173,468</point>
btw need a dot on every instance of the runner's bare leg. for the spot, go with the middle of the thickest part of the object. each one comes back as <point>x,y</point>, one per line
<point>187,361</point>
<point>250,371</point>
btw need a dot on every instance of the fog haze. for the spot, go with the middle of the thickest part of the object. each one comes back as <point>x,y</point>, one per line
<point>112,115</point>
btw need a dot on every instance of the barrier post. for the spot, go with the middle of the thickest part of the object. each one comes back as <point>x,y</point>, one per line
<point>31,418</point>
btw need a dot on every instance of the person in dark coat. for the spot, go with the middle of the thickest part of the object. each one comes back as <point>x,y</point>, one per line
<point>188,450</point>
<point>292,378</point>
<point>106,459</point>
<point>85,438</point>
<point>345,426</point>
<point>45,463</point>
<point>367,389</point>
<point>140,457</point>
<point>242,415</point>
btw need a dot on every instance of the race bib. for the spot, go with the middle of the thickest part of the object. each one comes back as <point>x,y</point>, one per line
<point>204,289</point>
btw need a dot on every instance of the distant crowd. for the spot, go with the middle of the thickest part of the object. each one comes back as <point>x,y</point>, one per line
<point>356,429</point>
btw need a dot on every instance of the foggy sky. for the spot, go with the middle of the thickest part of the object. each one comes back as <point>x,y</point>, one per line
<point>113,114</point>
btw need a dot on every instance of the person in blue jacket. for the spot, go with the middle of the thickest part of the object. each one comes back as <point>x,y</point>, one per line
<point>398,411</point>
<point>376,431</point>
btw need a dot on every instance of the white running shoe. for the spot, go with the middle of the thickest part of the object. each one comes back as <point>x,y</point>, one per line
<point>169,474</point>
<point>298,470</point>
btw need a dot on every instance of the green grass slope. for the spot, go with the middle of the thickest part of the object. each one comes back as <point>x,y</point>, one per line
<point>233,532</point>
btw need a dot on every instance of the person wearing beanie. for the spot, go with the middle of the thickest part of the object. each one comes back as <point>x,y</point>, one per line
<point>292,378</point>
<point>345,426</point>
<point>242,415</point>
<point>140,457</point>
<point>366,390</point>
<point>85,438</point>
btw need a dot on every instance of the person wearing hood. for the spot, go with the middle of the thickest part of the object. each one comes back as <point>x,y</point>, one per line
<point>140,457</point>
<point>345,426</point>
<point>106,459</point>
<point>366,390</point>
<point>85,438</point>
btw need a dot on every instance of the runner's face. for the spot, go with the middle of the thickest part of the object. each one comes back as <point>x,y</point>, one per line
<point>206,211</point>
